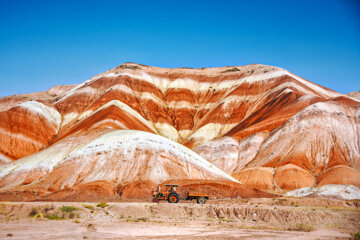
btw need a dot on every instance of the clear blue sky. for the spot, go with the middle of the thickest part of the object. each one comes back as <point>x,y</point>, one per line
<point>47,43</point>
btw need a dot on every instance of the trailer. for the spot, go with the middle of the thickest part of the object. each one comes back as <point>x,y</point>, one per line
<point>172,196</point>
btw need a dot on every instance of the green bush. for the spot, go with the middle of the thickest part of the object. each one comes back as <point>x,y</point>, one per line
<point>68,209</point>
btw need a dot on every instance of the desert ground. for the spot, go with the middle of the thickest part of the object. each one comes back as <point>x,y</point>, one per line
<point>271,218</point>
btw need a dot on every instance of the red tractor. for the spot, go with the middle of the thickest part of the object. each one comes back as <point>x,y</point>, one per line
<point>173,197</point>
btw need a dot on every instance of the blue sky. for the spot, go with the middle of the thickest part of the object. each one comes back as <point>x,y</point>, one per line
<point>47,43</point>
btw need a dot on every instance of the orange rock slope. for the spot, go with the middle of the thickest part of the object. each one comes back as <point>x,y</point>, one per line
<point>136,125</point>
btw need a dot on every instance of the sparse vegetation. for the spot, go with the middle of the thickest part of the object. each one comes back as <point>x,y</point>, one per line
<point>235,69</point>
<point>338,209</point>
<point>261,227</point>
<point>216,216</point>
<point>33,211</point>
<point>132,67</point>
<point>102,205</point>
<point>225,220</point>
<point>281,201</point>
<point>88,206</point>
<point>68,209</point>
<point>301,227</point>
<point>53,217</point>
<point>355,236</point>
<point>36,213</point>
<point>91,227</point>
<point>39,215</point>
<point>2,208</point>
<point>142,219</point>
<point>49,208</point>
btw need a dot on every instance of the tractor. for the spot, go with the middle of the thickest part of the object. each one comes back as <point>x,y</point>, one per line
<point>173,197</point>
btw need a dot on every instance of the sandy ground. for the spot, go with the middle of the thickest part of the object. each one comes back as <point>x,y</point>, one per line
<point>67,229</point>
<point>281,218</point>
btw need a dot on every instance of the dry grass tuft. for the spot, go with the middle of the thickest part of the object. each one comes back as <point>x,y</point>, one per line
<point>301,227</point>
<point>102,205</point>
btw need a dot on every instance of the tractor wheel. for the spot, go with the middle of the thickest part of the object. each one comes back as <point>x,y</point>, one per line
<point>201,200</point>
<point>173,198</point>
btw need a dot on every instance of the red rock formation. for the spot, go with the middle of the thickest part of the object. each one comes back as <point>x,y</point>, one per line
<point>321,141</point>
<point>263,125</point>
<point>27,128</point>
<point>291,177</point>
<point>257,177</point>
<point>339,175</point>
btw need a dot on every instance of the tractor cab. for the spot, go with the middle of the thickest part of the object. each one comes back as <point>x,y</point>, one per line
<point>170,195</point>
<point>172,187</point>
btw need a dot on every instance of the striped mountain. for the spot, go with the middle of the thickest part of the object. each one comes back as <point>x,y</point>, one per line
<point>258,125</point>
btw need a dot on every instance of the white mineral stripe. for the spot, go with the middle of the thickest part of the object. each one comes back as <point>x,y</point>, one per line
<point>211,131</point>
<point>112,121</point>
<point>69,117</point>
<point>130,138</point>
<point>50,114</point>
<point>60,152</point>
<point>126,108</point>
<point>4,159</point>
<point>20,137</point>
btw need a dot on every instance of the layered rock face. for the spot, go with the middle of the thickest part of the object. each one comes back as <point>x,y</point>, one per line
<point>317,146</point>
<point>258,125</point>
